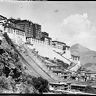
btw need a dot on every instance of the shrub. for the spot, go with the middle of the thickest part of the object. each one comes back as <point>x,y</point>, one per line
<point>6,71</point>
<point>40,84</point>
<point>2,51</point>
<point>16,73</point>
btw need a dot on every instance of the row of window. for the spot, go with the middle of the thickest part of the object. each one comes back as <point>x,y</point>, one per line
<point>75,58</point>
<point>10,30</point>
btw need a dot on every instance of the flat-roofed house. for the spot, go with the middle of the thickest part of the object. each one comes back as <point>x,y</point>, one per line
<point>75,58</point>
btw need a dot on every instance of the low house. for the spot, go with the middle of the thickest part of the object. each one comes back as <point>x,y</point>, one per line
<point>52,67</point>
<point>66,75</point>
<point>75,58</point>
<point>91,75</point>
<point>60,86</point>
<point>58,71</point>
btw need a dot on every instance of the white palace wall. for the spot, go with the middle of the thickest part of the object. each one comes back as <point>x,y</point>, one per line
<point>44,46</point>
<point>17,38</point>
<point>21,38</point>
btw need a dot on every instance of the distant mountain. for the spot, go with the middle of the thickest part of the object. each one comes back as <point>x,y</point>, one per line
<point>87,56</point>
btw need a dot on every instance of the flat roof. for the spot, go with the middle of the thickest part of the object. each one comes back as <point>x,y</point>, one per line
<point>45,33</point>
<point>67,46</point>
<point>59,42</point>
<point>48,37</point>
<point>90,72</point>
<point>57,70</point>
<point>19,21</point>
<point>74,55</point>
<point>53,65</point>
<point>2,17</point>
<point>36,24</point>
<point>57,83</point>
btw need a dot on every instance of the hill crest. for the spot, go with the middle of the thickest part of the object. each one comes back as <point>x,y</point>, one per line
<point>87,56</point>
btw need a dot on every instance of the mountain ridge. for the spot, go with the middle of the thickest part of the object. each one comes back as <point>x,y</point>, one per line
<point>87,56</point>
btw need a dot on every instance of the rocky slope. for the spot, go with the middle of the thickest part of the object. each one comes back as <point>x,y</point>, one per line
<point>14,77</point>
<point>87,56</point>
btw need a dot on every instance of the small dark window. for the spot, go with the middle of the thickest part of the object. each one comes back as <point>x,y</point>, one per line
<point>0,42</point>
<point>64,48</point>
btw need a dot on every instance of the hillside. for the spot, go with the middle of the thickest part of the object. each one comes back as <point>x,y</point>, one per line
<point>14,75</point>
<point>87,56</point>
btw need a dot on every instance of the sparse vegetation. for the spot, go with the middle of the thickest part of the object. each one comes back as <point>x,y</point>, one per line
<point>40,84</point>
<point>12,75</point>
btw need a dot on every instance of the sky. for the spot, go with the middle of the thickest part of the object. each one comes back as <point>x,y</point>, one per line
<point>70,22</point>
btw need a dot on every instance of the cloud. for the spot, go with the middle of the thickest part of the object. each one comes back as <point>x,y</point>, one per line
<point>56,10</point>
<point>78,28</point>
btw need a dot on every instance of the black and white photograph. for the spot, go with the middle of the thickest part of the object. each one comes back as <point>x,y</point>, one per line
<point>47,47</point>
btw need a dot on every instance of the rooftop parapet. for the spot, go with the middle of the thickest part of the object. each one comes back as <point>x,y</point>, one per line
<point>59,42</point>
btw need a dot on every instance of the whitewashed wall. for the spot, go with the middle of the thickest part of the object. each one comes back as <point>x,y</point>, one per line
<point>18,39</point>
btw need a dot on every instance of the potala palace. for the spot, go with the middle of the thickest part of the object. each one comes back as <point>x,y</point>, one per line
<point>43,57</point>
<point>45,48</point>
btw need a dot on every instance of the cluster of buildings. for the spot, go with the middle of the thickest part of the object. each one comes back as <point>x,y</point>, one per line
<point>28,31</point>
